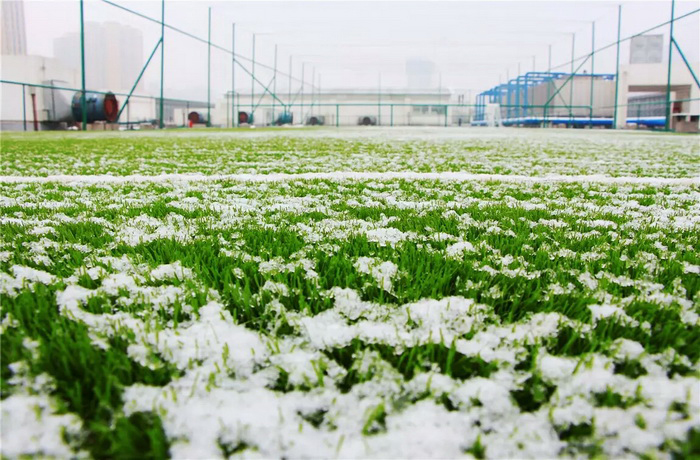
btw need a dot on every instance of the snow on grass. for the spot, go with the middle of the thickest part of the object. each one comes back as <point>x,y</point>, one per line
<point>439,302</point>
<point>351,176</point>
<point>382,272</point>
<point>31,426</point>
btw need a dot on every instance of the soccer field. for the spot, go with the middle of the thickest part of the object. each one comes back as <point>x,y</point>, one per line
<point>378,293</point>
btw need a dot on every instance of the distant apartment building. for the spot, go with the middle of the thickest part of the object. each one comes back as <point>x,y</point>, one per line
<point>420,74</point>
<point>14,35</point>
<point>113,54</point>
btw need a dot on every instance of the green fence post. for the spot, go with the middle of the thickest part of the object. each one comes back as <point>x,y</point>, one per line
<point>162,59</point>
<point>379,101</point>
<point>274,90</point>
<point>549,87</point>
<point>83,101</point>
<point>573,72</point>
<point>209,71</point>
<point>337,115</point>
<point>234,118</point>
<point>301,106</point>
<point>252,85</point>
<point>289,96</point>
<point>668,81</point>
<point>590,111</point>
<point>617,66</point>
<point>445,116</point>
<point>24,107</point>
<point>391,115</point>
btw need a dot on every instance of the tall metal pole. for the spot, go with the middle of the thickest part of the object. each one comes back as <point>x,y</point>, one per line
<point>668,80</point>
<point>590,111</point>
<point>162,59</point>
<point>83,102</point>
<point>233,72</point>
<point>209,71</point>
<point>617,65</point>
<point>274,90</point>
<point>571,83</point>
<point>252,83</point>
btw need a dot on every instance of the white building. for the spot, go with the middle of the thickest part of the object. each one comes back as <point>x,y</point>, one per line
<point>653,78</point>
<point>14,35</point>
<point>113,55</point>
<point>350,108</point>
<point>17,101</point>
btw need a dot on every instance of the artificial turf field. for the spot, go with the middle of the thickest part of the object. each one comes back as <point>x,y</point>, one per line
<point>384,293</point>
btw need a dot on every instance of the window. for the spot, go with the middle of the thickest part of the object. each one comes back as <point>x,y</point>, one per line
<point>428,109</point>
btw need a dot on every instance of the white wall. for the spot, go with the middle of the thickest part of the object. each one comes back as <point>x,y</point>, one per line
<point>36,70</point>
<point>351,107</point>
<point>654,77</point>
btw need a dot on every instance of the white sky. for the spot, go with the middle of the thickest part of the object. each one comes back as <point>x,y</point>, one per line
<point>473,44</point>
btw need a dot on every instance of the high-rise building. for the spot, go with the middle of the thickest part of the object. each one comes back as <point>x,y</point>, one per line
<point>113,54</point>
<point>420,74</point>
<point>14,35</point>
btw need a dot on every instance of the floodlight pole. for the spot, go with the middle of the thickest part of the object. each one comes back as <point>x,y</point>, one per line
<point>233,79</point>
<point>162,58</point>
<point>590,112</point>
<point>209,71</point>
<point>617,65</point>
<point>83,102</point>
<point>252,83</point>
<point>668,81</point>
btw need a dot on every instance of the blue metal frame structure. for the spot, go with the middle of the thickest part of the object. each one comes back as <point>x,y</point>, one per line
<point>514,98</point>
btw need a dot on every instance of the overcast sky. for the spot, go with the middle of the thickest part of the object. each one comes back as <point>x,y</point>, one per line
<point>474,45</point>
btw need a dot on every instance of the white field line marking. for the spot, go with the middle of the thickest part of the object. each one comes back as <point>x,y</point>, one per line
<point>349,176</point>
